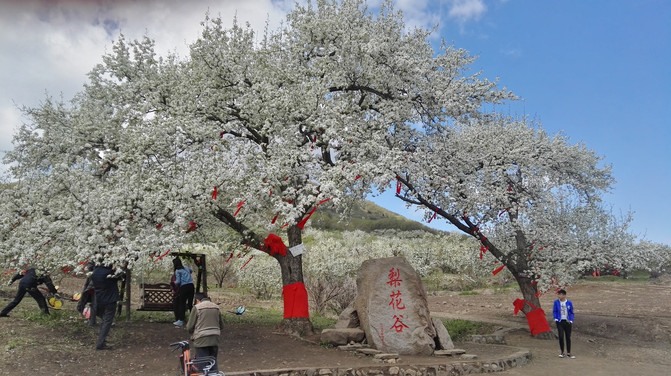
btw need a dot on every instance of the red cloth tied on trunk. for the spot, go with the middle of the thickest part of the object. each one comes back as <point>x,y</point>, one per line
<point>535,318</point>
<point>295,300</point>
<point>537,322</point>
<point>519,305</point>
<point>275,244</point>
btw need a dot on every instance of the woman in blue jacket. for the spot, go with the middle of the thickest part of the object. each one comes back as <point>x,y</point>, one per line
<point>185,290</point>
<point>563,315</point>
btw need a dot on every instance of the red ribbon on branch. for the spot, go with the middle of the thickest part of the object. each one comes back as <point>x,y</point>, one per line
<point>214,193</point>
<point>239,207</point>
<point>245,264</point>
<point>303,221</point>
<point>192,226</point>
<point>161,256</point>
<point>495,272</point>
<point>483,249</point>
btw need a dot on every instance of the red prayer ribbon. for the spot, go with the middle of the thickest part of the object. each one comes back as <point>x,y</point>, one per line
<point>214,193</point>
<point>161,256</point>
<point>303,221</point>
<point>239,207</point>
<point>192,226</point>
<point>495,272</point>
<point>250,259</point>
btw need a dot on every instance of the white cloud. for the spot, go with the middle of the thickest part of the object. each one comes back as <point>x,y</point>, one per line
<point>465,10</point>
<point>50,45</point>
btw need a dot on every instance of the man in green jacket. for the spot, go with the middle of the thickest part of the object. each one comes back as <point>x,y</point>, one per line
<point>205,325</point>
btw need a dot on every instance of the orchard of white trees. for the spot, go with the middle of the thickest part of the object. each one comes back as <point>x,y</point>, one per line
<point>255,132</point>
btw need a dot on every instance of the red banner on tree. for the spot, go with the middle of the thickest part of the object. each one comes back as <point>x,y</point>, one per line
<point>295,300</point>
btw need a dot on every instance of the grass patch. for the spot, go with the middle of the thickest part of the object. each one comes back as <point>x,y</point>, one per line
<point>468,293</point>
<point>460,330</point>
<point>150,316</point>
<point>272,317</point>
<point>55,318</point>
<point>255,316</point>
<point>637,276</point>
<point>321,322</point>
<point>14,344</point>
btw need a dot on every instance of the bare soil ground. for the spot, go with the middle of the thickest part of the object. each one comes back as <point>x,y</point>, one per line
<point>620,328</point>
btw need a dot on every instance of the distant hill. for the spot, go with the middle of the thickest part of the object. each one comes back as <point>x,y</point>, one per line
<point>366,216</point>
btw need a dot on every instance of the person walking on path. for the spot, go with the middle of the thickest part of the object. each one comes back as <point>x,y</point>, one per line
<point>106,287</point>
<point>185,290</point>
<point>562,311</point>
<point>205,326</point>
<point>30,279</point>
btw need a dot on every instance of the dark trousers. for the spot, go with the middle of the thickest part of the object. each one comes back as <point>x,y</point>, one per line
<point>34,292</point>
<point>209,351</point>
<point>183,301</point>
<point>107,312</point>
<point>564,329</point>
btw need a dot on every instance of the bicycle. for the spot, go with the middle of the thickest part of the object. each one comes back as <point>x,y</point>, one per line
<point>196,366</point>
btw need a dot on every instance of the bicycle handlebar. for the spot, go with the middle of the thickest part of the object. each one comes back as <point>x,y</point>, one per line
<point>183,345</point>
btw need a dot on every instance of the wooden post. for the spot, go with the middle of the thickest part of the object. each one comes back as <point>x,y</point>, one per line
<point>204,266</point>
<point>128,288</point>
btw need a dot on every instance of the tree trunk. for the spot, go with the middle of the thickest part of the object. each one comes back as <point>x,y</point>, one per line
<point>529,292</point>
<point>292,273</point>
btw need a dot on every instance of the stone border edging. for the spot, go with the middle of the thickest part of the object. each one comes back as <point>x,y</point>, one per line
<point>449,368</point>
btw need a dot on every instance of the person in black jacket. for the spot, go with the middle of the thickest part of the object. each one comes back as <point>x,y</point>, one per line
<point>29,282</point>
<point>106,287</point>
<point>88,296</point>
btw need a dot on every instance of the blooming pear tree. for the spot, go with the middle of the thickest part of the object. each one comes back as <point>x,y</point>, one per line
<point>252,134</point>
<point>644,255</point>
<point>532,201</point>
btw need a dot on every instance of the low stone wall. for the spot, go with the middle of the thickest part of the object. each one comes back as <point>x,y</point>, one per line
<point>452,367</point>
<point>494,339</point>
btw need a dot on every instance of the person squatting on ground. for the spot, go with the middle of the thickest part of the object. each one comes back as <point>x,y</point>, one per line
<point>185,289</point>
<point>29,282</point>
<point>106,287</point>
<point>205,325</point>
<point>562,311</point>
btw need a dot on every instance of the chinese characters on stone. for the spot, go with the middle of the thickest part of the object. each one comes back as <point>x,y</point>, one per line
<point>396,301</point>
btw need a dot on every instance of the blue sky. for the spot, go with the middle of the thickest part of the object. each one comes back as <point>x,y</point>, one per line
<point>597,70</point>
<point>600,71</point>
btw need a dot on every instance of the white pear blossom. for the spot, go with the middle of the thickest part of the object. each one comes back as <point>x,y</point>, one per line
<point>277,124</point>
<point>531,200</point>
